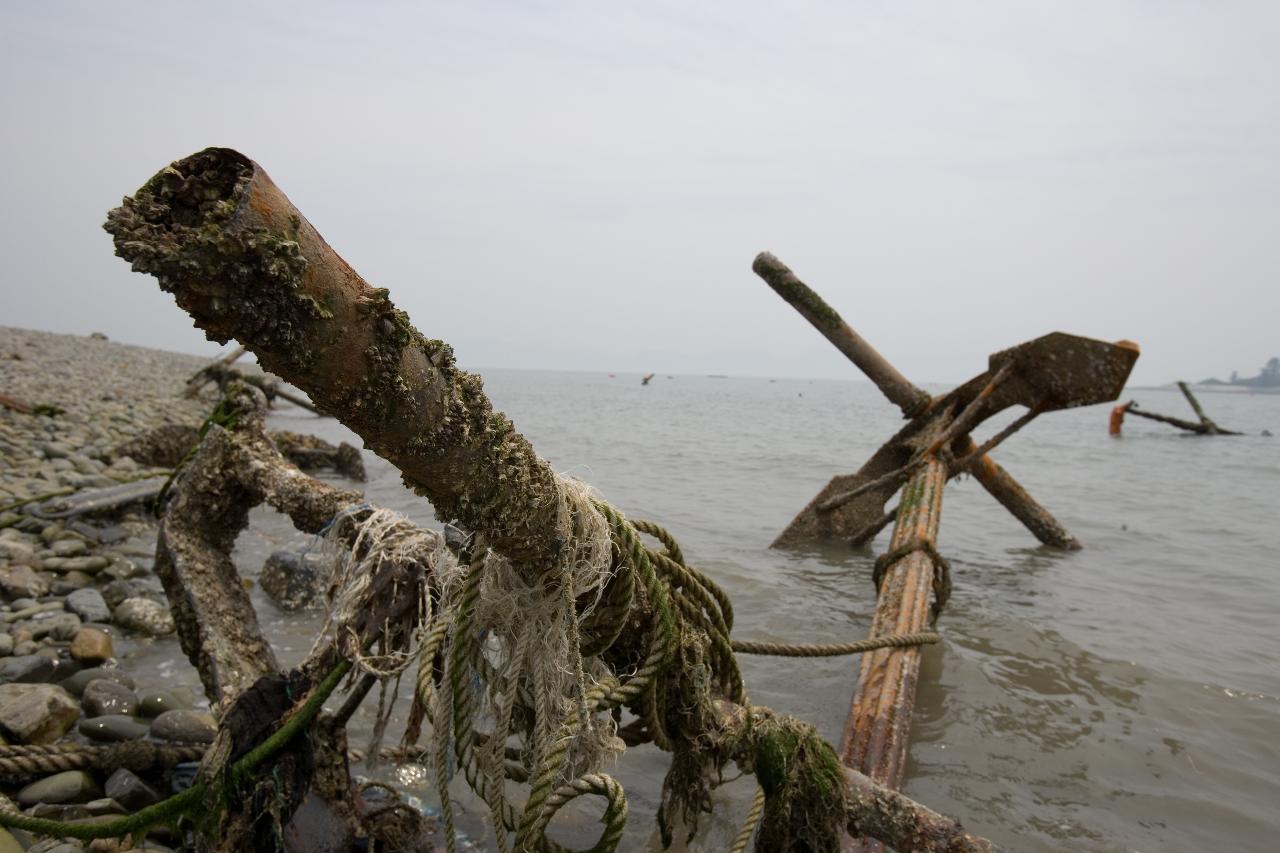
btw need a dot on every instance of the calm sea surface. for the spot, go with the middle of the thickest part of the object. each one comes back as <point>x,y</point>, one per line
<point>1124,697</point>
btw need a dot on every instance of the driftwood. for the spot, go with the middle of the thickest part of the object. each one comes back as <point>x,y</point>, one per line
<point>14,404</point>
<point>860,521</point>
<point>244,263</point>
<point>167,446</point>
<point>229,474</point>
<point>224,375</point>
<point>208,373</point>
<point>1204,426</point>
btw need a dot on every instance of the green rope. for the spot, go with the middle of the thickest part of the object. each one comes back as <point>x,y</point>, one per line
<point>55,494</point>
<point>166,811</point>
<point>681,602</point>
<point>59,493</point>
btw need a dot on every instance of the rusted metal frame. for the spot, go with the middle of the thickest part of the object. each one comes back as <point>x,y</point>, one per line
<point>1189,426</point>
<point>894,478</point>
<point>962,423</point>
<point>866,534</point>
<point>987,446</point>
<point>911,399</point>
<point>1213,428</point>
<point>878,728</point>
<point>971,414</point>
<point>1195,405</point>
<point>879,723</point>
<point>900,391</point>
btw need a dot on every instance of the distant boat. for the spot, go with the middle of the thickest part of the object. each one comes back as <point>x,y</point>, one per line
<point>717,376</point>
<point>645,380</point>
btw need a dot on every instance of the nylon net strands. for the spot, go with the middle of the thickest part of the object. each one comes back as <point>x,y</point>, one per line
<point>523,681</point>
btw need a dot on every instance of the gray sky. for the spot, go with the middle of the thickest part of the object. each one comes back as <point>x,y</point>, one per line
<point>584,185</point>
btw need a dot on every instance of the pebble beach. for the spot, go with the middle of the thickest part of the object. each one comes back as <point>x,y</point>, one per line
<point>77,596</point>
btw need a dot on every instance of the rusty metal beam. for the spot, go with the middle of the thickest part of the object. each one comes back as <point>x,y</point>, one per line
<point>878,728</point>
<point>879,723</point>
<point>912,400</point>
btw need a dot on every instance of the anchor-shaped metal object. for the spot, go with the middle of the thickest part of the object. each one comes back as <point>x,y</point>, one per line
<point>1056,371</point>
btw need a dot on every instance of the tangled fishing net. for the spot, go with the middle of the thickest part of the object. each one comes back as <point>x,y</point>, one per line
<point>525,675</point>
<point>502,674</point>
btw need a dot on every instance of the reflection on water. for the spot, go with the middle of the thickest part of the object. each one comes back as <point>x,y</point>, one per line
<point>1120,698</point>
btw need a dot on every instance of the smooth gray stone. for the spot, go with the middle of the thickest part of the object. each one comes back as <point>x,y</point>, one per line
<point>104,806</point>
<point>68,548</point>
<point>36,713</point>
<point>58,811</point>
<point>153,703</point>
<point>55,450</point>
<point>294,581</point>
<point>128,790</point>
<point>144,616</point>
<point>22,582</point>
<point>103,697</point>
<point>114,727</point>
<point>73,786</point>
<point>89,605</point>
<point>6,645</point>
<point>60,626</point>
<point>69,583</point>
<point>76,684</point>
<point>118,590</point>
<point>25,669</point>
<point>183,727</point>
<point>88,564</point>
<point>53,845</point>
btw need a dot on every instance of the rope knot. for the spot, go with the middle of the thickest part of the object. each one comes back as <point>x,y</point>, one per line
<point>941,571</point>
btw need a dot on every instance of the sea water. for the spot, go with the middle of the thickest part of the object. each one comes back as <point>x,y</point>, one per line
<point>1122,697</point>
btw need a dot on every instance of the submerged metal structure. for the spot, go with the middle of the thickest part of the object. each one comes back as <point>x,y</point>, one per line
<point>1057,371</point>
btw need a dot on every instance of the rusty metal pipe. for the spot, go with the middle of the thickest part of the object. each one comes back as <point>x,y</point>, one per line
<point>879,723</point>
<point>878,728</point>
<point>245,263</point>
<point>901,392</point>
<point>1210,427</point>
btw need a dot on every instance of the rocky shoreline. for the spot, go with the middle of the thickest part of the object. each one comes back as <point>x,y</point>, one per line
<point>79,595</point>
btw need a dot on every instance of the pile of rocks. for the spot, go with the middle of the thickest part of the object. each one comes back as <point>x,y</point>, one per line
<point>79,595</point>
<point>104,394</point>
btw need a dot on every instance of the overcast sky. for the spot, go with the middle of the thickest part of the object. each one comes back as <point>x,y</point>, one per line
<point>585,185</point>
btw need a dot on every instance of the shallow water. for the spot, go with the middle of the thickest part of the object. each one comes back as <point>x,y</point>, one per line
<point>1124,697</point>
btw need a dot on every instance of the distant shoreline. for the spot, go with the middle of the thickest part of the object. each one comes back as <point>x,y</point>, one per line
<point>1208,389</point>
